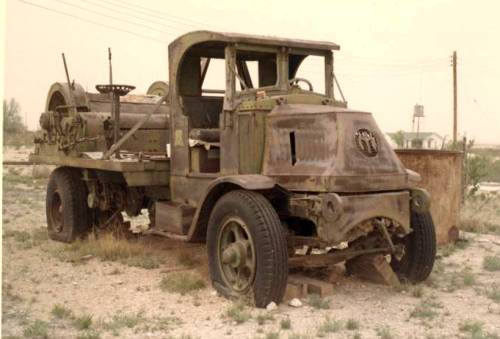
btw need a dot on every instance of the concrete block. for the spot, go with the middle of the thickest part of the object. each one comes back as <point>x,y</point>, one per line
<point>311,285</point>
<point>293,291</point>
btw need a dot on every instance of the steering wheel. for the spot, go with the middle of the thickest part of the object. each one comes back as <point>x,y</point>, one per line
<point>295,81</point>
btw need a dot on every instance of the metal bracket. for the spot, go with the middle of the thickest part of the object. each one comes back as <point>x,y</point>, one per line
<point>381,226</point>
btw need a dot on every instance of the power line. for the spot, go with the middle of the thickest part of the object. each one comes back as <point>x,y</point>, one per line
<point>114,9</point>
<point>160,14</point>
<point>111,16</point>
<point>386,59</point>
<point>414,64</point>
<point>92,21</point>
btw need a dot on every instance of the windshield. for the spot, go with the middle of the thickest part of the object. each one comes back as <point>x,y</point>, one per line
<point>255,70</point>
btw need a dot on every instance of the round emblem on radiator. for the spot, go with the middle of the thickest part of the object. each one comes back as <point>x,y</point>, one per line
<point>367,142</point>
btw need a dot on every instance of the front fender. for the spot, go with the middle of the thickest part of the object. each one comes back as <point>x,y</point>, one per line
<point>216,189</point>
<point>250,182</point>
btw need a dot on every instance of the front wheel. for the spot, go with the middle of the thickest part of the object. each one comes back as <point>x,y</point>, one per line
<point>247,248</point>
<point>420,249</point>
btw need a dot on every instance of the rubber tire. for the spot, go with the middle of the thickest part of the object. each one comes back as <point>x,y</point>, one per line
<point>270,245</point>
<point>76,220</point>
<point>420,250</point>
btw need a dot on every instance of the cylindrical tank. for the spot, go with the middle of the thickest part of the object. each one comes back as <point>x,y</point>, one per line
<point>59,95</point>
<point>441,173</point>
<point>85,127</point>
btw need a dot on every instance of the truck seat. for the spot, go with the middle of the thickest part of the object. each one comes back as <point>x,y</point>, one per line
<point>203,111</point>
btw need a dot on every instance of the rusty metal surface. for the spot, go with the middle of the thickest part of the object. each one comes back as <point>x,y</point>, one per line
<point>237,38</point>
<point>118,141</point>
<point>94,121</point>
<point>335,216</point>
<point>209,188</point>
<point>325,155</point>
<point>441,173</point>
<point>59,95</point>
<point>124,165</point>
<point>173,217</point>
<point>68,131</point>
<point>20,163</point>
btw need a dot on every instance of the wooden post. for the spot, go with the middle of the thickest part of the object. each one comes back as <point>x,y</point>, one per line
<point>454,97</point>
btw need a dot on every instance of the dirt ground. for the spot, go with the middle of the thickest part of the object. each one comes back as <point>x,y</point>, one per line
<point>55,290</point>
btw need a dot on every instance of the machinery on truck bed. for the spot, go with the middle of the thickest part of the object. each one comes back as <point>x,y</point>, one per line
<point>257,170</point>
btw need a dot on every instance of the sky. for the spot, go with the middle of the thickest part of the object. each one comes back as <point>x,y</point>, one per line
<point>394,54</point>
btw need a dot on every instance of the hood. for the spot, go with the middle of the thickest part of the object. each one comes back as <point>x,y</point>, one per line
<point>329,149</point>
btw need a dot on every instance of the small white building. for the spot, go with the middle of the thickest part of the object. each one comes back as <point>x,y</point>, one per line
<point>425,140</point>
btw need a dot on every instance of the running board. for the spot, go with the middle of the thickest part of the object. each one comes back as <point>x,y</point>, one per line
<point>165,234</point>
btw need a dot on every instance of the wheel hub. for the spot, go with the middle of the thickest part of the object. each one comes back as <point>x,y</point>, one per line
<point>236,255</point>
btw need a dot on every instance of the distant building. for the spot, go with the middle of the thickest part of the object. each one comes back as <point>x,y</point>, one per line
<point>426,140</point>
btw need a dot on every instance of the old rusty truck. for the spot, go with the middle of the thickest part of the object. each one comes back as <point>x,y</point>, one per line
<point>270,173</point>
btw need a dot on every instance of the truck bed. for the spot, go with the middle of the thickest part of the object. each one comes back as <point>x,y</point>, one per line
<point>150,170</point>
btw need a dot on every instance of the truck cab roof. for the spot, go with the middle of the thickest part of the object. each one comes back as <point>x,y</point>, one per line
<point>238,38</point>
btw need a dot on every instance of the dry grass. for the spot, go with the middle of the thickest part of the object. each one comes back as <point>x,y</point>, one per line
<point>90,334</point>
<point>83,322</point>
<point>493,292</point>
<point>120,321</point>
<point>452,280</point>
<point>481,214</point>
<point>38,329</point>
<point>188,258</point>
<point>317,302</point>
<point>475,330</point>
<point>384,333</point>
<point>352,324</point>
<point>239,313</point>
<point>427,309</point>
<point>262,318</point>
<point>12,177</point>
<point>19,236</point>
<point>25,239</point>
<point>329,326</point>
<point>61,312</point>
<point>491,263</point>
<point>108,248</point>
<point>182,282</point>
<point>286,323</point>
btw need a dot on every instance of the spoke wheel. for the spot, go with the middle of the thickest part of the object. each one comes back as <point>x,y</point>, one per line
<point>237,254</point>
<point>247,248</point>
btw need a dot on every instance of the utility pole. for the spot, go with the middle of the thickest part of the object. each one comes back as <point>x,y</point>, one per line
<point>454,97</point>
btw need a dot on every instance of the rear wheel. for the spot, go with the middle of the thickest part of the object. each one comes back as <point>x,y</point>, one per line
<point>68,216</point>
<point>247,249</point>
<point>420,249</point>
